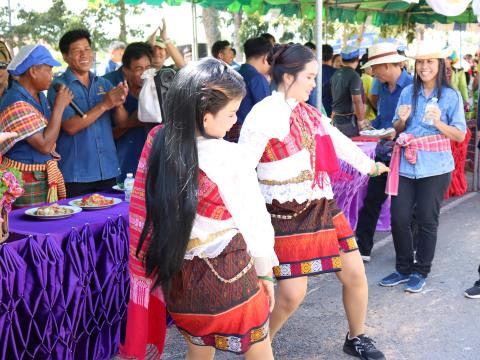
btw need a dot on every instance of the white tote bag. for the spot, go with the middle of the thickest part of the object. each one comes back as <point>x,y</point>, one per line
<point>148,105</point>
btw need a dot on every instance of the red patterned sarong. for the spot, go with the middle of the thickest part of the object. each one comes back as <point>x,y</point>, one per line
<point>310,243</point>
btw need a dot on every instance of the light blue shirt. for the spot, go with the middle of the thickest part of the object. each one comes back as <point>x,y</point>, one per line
<point>431,163</point>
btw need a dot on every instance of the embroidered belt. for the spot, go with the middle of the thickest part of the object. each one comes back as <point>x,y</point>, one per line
<point>302,177</point>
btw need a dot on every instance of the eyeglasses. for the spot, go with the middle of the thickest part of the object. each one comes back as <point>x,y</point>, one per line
<point>3,65</point>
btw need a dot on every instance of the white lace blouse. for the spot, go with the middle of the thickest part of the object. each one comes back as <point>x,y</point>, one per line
<point>270,119</point>
<point>233,171</point>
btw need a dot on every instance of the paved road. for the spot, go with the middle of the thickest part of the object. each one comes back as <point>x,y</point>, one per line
<point>436,324</point>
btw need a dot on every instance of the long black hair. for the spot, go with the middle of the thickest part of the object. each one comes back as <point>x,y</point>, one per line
<point>172,178</point>
<point>288,59</point>
<point>441,82</point>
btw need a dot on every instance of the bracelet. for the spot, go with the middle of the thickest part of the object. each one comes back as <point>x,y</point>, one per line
<point>167,41</point>
<point>376,172</point>
<point>268,278</point>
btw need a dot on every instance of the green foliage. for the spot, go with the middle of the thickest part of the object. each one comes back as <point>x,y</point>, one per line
<point>50,25</point>
<point>253,25</point>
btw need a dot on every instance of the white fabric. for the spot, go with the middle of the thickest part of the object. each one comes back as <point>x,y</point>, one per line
<point>148,104</point>
<point>270,119</point>
<point>22,54</point>
<point>203,227</point>
<point>231,167</point>
<point>449,7</point>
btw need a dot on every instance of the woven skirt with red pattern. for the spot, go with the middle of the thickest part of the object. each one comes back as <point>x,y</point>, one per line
<point>310,243</point>
<point>210,312</point>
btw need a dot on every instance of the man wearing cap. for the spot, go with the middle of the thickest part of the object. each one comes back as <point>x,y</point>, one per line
<point>89,158</point>
<point>348,110</point>
<point>131,138</point>
<point>386,65</point>
<point>163,48</point>
<point>25,110</point>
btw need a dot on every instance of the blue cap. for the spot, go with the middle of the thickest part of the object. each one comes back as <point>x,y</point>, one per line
<point>29,56</point>
<point>350,53</point>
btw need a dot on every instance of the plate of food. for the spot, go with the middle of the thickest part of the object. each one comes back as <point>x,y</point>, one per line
<point>377,133</point>
<point>95,202</point>
<point>52,212</point>
<point>118,187</point>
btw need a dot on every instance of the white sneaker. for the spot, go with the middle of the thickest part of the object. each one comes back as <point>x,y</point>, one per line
<point>366,258</point>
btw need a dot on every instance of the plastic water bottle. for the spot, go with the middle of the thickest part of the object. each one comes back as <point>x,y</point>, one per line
<point>128,186</point>
<point>432,103</point>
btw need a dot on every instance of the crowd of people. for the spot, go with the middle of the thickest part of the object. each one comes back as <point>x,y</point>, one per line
<point>208,251</point>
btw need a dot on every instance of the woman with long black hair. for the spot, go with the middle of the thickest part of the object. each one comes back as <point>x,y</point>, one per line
<point>429,114</point>
<point>194,235</point>
<point>297,148</point>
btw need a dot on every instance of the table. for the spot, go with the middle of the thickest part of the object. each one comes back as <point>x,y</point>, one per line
<point>64,285</point>
<point>350,190</point>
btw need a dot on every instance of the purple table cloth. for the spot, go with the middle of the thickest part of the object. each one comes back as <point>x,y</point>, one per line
<point>64,285</point>
<point>350,191</point>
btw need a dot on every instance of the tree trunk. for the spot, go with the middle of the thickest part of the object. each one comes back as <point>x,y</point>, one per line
<point>237,22</point>
<point>123,23</point>
<point>210,22</point>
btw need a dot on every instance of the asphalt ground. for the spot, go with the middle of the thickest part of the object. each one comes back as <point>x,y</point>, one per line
<point>438,323</point>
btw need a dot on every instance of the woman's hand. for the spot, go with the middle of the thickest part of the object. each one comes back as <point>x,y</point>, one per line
<point>404,112</point>
<point>269,289</point>
<point>378,168</point>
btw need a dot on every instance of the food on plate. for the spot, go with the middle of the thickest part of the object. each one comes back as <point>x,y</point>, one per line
<point>95,200</point>
<point>53,210</point>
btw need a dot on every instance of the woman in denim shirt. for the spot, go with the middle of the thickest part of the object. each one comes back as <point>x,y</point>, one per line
<point>424,164</point>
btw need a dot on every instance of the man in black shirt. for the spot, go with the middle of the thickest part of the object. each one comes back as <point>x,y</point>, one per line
<point>348,109</point>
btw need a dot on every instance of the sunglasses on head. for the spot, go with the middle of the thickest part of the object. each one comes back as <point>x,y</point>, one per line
<point>3,65</point>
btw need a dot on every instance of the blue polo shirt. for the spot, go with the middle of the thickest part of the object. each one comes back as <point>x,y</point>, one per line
<point>257,89</point>
<point>22,151</point>
<point>387,101</point>
<point>451,106</point>
<point>90,155</point>
<point>129,145</point>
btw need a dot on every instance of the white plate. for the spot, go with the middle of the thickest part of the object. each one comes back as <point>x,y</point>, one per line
<point>117,188</point>
<point>377,132</point>
<point>76,202</point>
<point>32,212</point>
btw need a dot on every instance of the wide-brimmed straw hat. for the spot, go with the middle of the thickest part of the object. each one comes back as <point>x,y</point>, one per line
<point>383,53</point>
<point>430,50</point>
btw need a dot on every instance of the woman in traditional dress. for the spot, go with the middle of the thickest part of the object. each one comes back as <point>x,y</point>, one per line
<point>297,148</point>
<point>429,114</point>
<point>208,245</point>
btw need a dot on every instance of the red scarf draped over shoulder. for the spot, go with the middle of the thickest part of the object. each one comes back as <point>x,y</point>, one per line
<point>306,132</point>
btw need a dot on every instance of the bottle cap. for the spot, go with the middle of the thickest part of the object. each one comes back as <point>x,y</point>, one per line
<point>129,175</point>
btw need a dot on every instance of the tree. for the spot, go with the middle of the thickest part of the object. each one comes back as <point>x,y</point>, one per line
<point>50,25</point>
<point>211,20</point>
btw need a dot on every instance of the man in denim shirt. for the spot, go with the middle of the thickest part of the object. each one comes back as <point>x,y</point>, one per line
<point>386,65</point>
<point>89,160</point>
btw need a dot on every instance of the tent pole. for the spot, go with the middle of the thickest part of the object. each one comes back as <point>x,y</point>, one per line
<point>194,34</point>
<point>318,42</point>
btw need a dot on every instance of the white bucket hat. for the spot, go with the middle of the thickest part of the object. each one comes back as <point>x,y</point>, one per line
<point>383,53</point>
<point>430,50</point>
